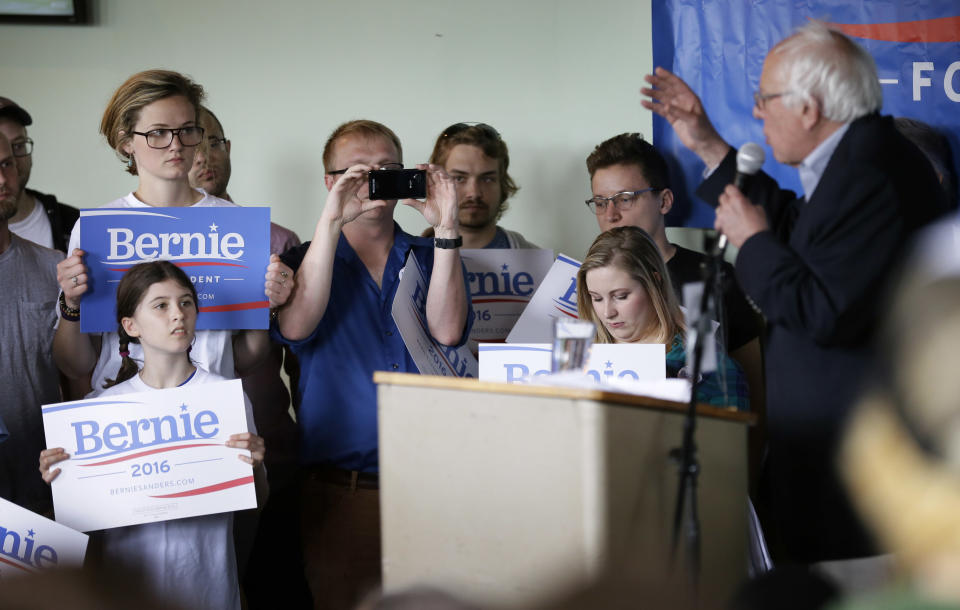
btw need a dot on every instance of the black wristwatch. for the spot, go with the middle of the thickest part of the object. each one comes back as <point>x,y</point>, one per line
<point>448,244</point>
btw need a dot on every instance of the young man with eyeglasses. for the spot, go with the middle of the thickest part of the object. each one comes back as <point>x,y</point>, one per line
<point>340,326</point>
<point>268,553</point>
<point>477,159</point>
<point>40,218</point>
<point>630,185</point>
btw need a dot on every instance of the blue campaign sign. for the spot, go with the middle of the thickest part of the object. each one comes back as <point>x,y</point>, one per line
<point>718,47</point>
<point>224,250</point>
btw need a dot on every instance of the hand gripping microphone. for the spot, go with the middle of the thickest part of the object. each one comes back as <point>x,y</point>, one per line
<point>750,158</point>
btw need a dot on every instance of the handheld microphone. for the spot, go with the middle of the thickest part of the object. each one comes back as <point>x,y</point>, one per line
<point>750,159</point>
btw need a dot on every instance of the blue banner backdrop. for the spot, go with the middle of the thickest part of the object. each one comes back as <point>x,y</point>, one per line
<point>718,47</point>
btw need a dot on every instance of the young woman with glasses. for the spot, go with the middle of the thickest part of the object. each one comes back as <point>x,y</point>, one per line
<point>151,123</point>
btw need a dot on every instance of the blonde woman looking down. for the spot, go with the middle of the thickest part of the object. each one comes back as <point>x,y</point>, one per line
<point>624,289</point>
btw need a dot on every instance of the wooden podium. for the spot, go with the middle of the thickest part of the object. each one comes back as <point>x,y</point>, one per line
<point>508,495</point>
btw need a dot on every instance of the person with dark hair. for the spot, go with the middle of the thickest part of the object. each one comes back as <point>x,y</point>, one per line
<point>28,375</point>
<point>631,188</point>
<point>39,218</point>
<point>936,148</point>
<point>151,123</point>
<point>191,560</point>
<point>476,157</point>
<point>340,326</point>
<point>623,288</point>
<point>267,544</point>
<point>818,265</point>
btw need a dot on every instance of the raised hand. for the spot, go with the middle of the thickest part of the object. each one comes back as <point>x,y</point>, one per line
<point>72,277</point>
<point>344,203</point>
<point>440,207</point>
<point>674,100</point>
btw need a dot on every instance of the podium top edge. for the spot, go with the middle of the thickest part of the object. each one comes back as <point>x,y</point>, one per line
<point>616,398</point>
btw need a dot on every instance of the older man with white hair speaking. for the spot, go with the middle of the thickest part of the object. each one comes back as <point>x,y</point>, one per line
<point>817,265</point>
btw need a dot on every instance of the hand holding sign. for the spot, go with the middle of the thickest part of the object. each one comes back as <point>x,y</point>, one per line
<point>252,443</point>
<point>279,282</point>
<point>49,457</point>
<point>72,277</point>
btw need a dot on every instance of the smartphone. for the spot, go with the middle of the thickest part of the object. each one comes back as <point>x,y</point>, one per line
<point>398,184</point>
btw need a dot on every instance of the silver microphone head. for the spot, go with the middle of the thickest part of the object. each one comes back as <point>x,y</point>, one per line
<point>750,158</point>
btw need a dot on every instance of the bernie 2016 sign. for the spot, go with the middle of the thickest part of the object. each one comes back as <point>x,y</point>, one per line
<point>30,543</point>
<point>150,456</point>
<point>223,250</point>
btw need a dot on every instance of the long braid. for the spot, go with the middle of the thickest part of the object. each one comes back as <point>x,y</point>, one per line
<point>128,366</point>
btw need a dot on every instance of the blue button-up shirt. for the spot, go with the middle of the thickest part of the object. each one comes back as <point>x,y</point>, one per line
<point>356,336</point>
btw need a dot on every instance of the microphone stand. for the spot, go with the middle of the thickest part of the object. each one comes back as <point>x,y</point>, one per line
<point>686,511</point>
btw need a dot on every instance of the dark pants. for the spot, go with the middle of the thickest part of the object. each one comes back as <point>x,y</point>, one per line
<point>340,534</point>
<point>275,566</point>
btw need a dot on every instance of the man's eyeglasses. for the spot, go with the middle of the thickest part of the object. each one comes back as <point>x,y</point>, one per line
<point>621,201</point>
<point>215,144</point>
<point>162,138</point>
<point>338,172</point>
<point>22,148</point>
<point>760,99</point>
<point>485,129</point>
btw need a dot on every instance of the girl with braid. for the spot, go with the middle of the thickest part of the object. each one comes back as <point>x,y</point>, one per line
<point>189,561</point>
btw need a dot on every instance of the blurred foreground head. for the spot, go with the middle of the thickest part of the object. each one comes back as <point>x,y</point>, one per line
<point>87,589</point>
<point>901,458</point>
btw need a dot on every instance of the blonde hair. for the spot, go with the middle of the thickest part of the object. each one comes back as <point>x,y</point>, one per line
<point>634,251</point>
<point>363,128</point>
<point>140,90</point>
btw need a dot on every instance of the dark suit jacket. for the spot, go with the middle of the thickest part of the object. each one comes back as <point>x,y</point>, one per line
<point>819,276</point>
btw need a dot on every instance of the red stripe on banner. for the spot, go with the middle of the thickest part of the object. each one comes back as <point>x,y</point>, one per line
<point>209,489</point>
<point>190,264</point>
<point>151,452</point>
<point>519,300</point>
<point>942,29</point>
<point>203,264</point>
<point>566,313</point>
<point>17,565</point>
<point>236,306</point>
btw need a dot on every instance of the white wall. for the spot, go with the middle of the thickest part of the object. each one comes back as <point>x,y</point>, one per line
<point>554,77</point>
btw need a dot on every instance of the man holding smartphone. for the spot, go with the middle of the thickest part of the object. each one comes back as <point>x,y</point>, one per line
<point>339,324</point>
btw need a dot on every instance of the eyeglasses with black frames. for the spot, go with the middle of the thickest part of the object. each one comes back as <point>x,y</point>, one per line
<point>162,138</point>
<point>394,166</point>
<point>216,144</point>
<point>621,201</point>
<point>22,148</point>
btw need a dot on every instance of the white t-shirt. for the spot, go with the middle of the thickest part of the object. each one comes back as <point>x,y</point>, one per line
<point>35,227</point>
<point>212,349</point>
<point>189,561</point>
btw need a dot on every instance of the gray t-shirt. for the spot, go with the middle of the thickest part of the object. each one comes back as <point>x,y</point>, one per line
<point>28,376</point>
